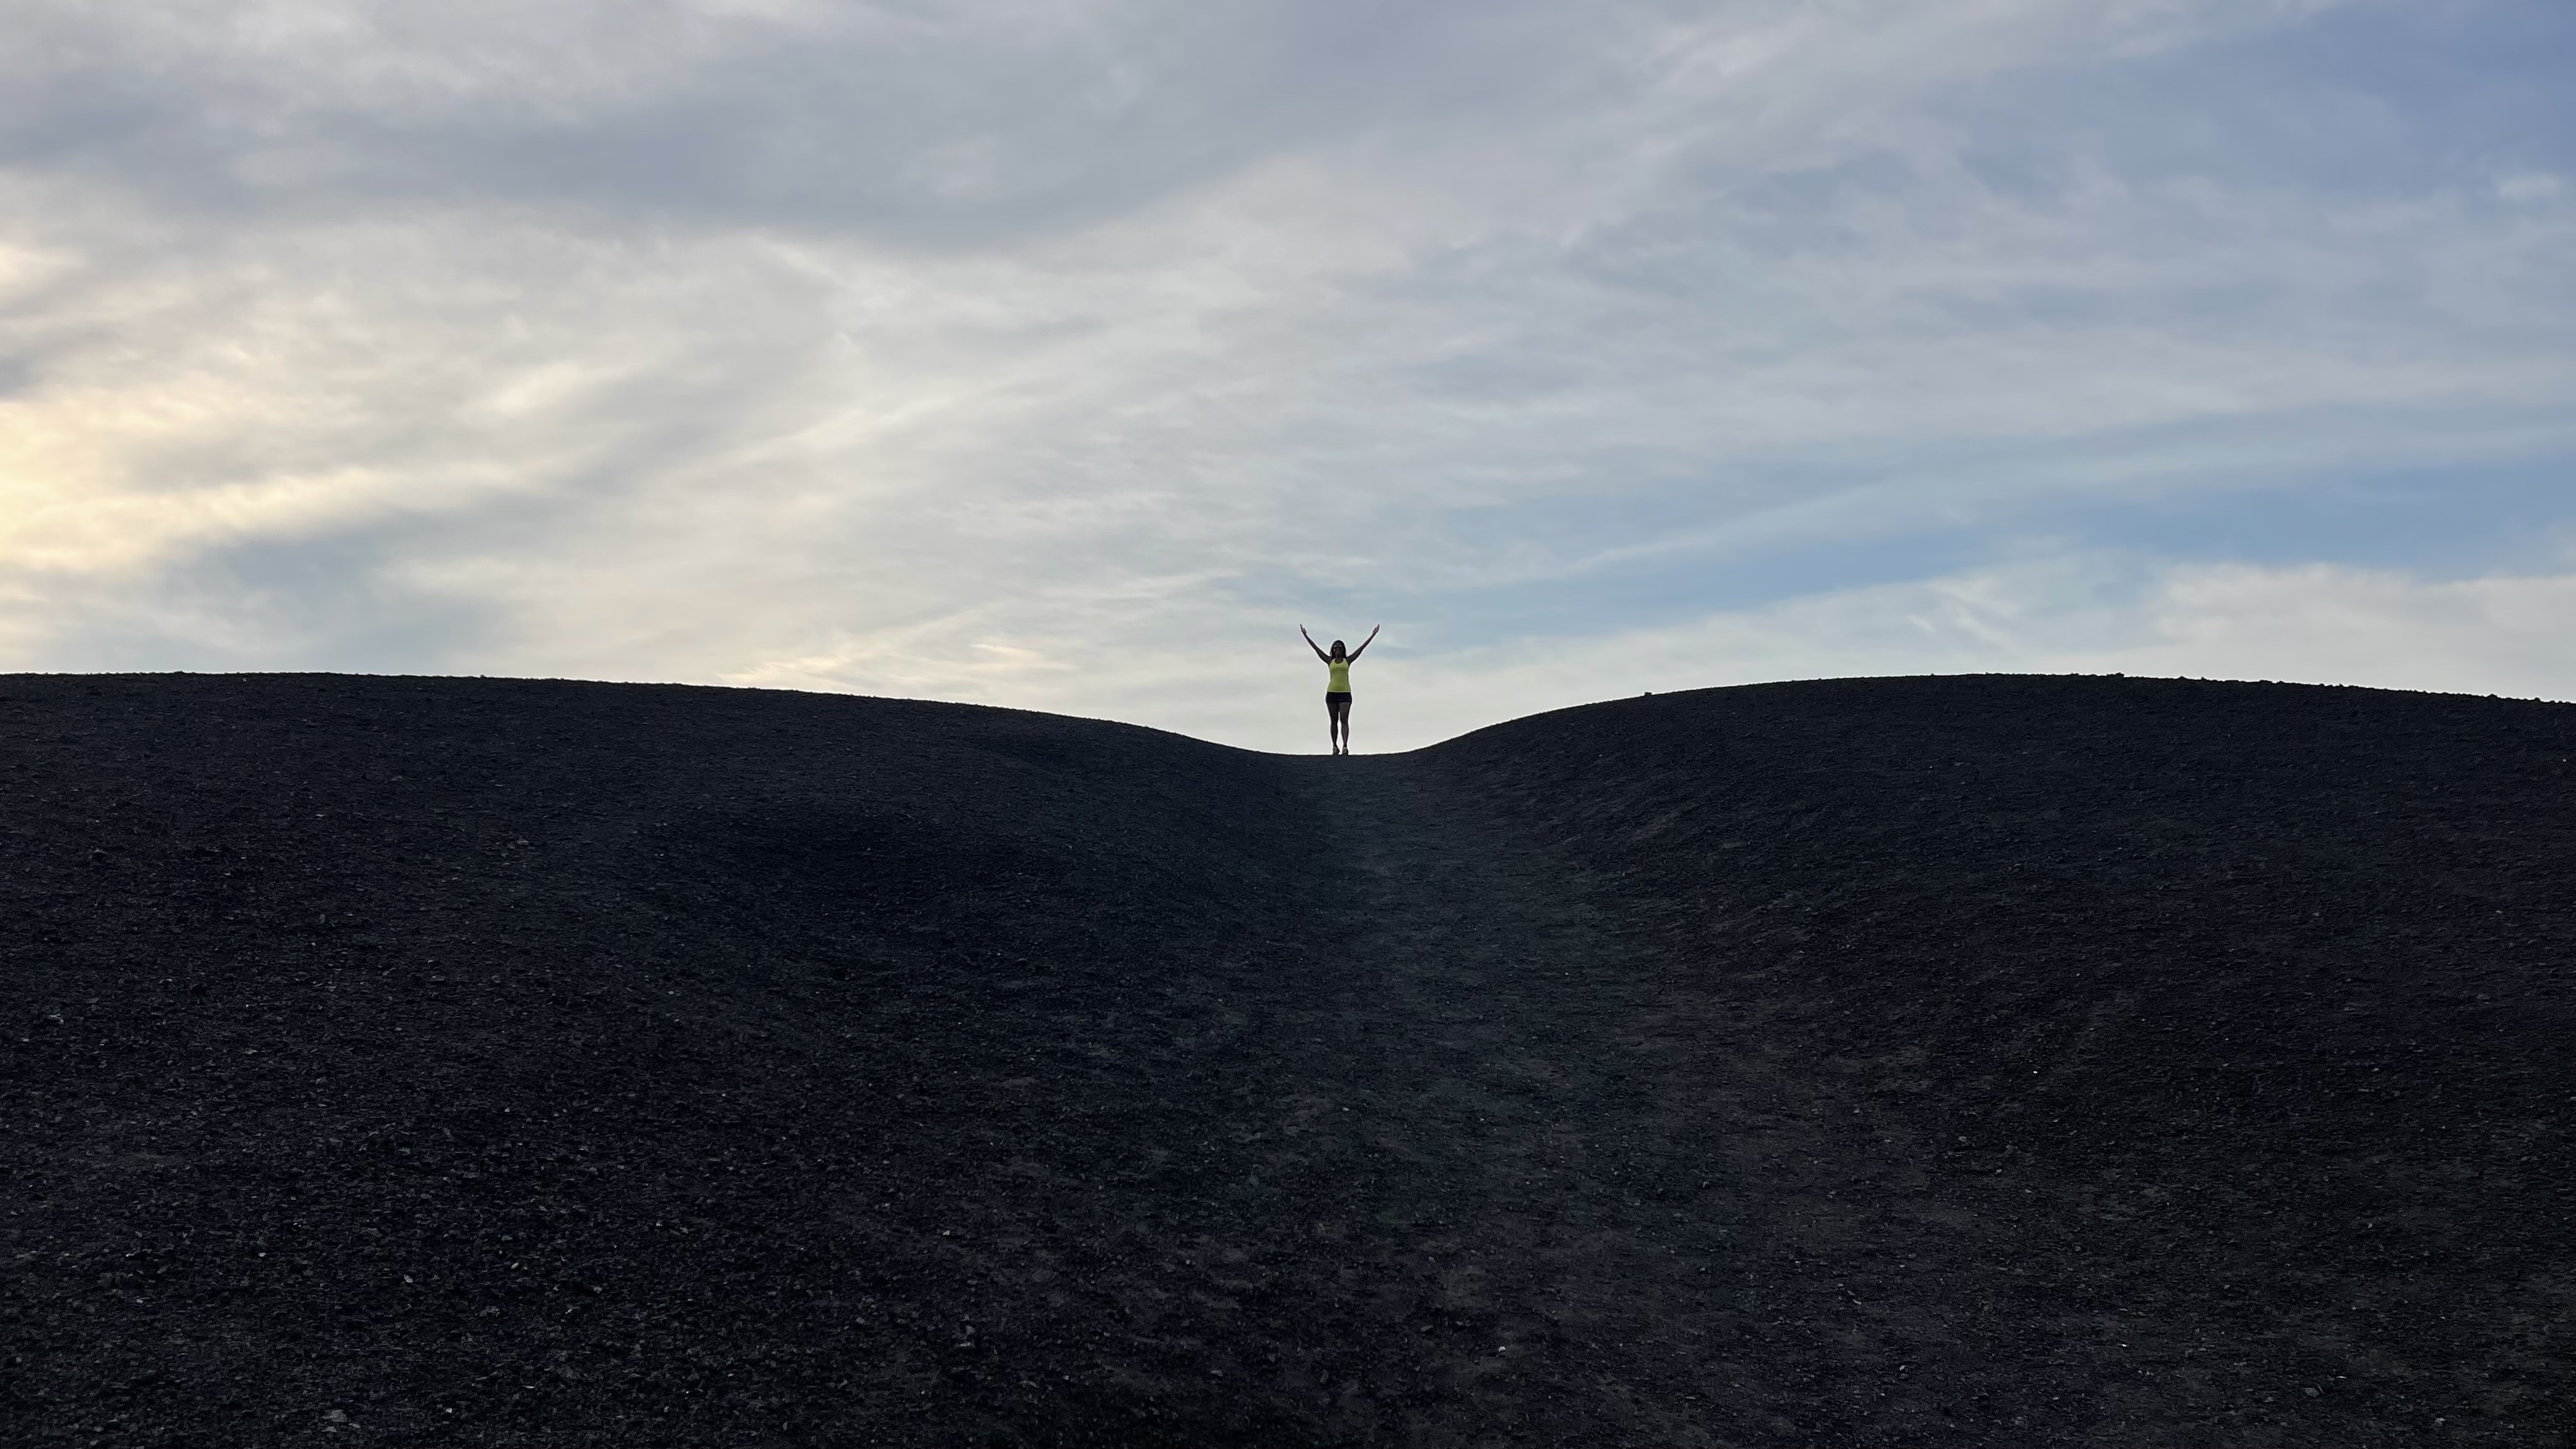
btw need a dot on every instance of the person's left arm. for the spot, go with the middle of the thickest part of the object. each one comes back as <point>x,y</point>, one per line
<point>1364,643</point>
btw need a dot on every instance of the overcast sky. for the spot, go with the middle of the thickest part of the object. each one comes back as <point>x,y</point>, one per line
<point>1069,354</point>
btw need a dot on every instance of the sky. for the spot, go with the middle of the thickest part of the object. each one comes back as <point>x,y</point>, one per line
<point>1070,354</point>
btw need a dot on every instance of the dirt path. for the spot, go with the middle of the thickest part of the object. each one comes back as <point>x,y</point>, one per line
<point>1559,1147</point>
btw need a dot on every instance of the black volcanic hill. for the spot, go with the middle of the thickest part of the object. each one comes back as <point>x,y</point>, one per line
<point>1983,1061</point>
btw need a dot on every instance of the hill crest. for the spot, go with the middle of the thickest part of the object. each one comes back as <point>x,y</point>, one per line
<point>1958,1057</point>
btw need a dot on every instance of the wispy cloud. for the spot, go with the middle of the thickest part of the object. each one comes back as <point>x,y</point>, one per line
<point>1068,354</point>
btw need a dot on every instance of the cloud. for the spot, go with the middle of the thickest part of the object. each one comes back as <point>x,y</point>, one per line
<point>1068,354</point>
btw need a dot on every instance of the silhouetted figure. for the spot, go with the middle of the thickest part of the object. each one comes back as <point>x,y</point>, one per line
<point>1337,690</point>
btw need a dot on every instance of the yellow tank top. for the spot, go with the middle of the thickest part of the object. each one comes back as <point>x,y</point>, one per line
<point>1341,676</point>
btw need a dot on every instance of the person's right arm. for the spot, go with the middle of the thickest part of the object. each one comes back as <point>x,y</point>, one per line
<point>1311,644</point>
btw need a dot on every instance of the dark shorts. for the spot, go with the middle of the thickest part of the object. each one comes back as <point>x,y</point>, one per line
<point>1332,698</point>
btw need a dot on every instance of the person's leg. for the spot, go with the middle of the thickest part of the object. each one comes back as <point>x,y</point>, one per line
<point>1346,726</point>
<point>1333,723</point>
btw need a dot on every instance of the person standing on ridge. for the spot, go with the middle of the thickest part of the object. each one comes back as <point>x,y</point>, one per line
<point>1337,691</point>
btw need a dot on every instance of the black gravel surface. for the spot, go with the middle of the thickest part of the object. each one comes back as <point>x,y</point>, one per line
<point>1980,1061</point>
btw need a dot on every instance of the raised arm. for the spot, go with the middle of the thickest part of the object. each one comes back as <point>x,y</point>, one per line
<point>1310,643</point>
<point>1364,643</point>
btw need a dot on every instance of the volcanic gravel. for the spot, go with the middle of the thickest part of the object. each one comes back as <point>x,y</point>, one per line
<point>1978,1060</point>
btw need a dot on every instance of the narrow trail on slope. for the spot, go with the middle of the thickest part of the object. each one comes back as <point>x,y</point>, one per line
<point>1610,1209</point>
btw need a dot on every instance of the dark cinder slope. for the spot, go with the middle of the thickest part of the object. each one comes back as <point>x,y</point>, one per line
<point>2150,1060</point>
<point>1980,1061</point>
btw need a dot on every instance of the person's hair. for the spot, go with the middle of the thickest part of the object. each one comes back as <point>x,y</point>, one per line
<point>1337,649</point>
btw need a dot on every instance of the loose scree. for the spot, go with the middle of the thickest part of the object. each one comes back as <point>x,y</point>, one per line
<point>1964,1060</point>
